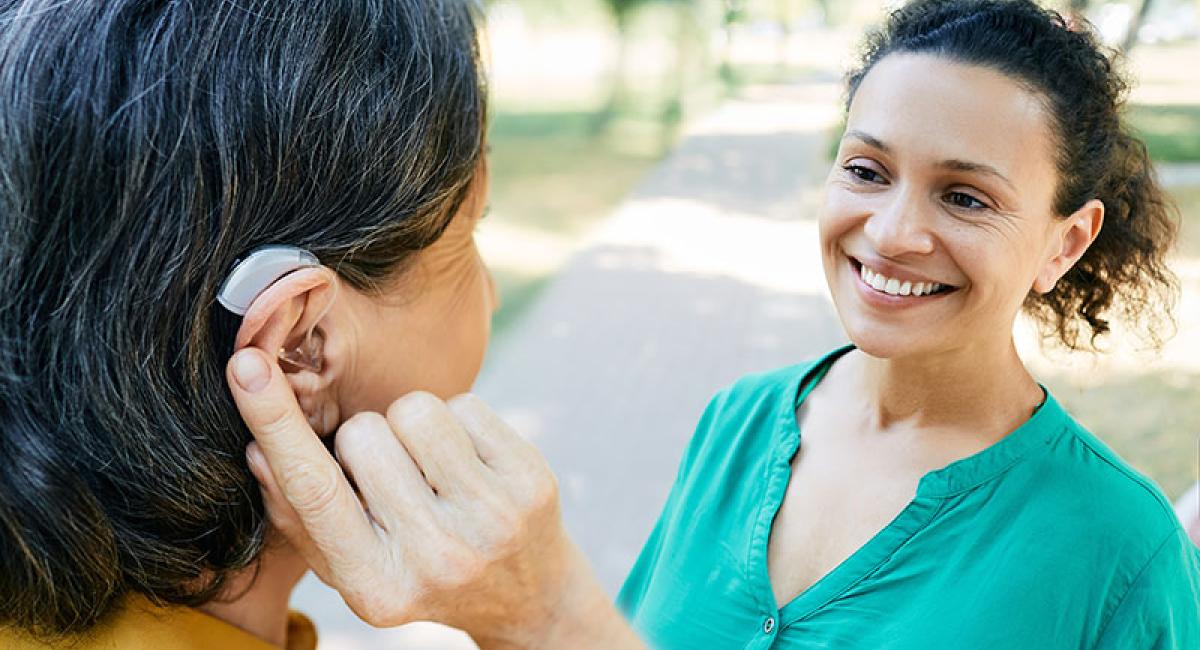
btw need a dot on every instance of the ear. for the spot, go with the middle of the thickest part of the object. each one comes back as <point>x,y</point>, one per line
<point>1071,240</point>
<point>285,322</point>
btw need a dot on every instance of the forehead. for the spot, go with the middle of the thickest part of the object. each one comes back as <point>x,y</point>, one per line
<point>929,107</point>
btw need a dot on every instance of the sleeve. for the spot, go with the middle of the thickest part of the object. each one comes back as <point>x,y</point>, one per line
<point>1161,608</point>
<point>640,577</point>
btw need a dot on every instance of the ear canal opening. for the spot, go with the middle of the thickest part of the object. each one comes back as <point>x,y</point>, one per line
<point>308,355</point>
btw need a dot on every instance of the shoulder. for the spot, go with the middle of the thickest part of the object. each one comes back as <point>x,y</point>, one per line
<point>766,390</point>
<point>1092,505</point>
<point>1123,498</point>
<point>757,391</point>
<point>741,422</point>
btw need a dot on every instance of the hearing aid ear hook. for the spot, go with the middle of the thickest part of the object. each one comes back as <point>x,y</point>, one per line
<point>260,269</point>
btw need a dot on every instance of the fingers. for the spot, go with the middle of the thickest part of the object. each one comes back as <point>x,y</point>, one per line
<point>306,475</point>
<point>280,513</point>
<point>438,444</point>
<point>498,444</point>
<point>517,463</point>
<point>389,481</point>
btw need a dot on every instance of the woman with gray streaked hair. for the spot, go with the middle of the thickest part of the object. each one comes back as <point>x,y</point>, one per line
<point>146,147</point>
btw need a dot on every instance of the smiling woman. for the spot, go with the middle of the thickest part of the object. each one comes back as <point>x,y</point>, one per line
<point>919,489</point>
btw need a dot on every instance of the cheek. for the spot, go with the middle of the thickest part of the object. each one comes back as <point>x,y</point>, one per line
<point>840,214</point>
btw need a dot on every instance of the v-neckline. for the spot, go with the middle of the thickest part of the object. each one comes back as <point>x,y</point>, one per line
<point>930,497</point>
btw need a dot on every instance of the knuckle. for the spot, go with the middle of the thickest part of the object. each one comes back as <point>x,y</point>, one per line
<point>311,488</point>
<point>509,533</point>
<point>459,566</point>
<point>365,421</point>
<point>379,611</point>
<point>543,491</point>
<point>414,404</point>
<point>275,423</point>
<point>466,403</point>
<point>357,434</point>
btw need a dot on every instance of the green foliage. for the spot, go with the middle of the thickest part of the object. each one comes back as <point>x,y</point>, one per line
<point>621,9</point>
<point>1171,132</point>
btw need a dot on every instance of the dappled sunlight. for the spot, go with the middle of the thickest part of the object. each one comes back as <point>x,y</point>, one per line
<point>694,237</point>
<point>613,364</point>
<point>801,109</point>
<point>512,247</point>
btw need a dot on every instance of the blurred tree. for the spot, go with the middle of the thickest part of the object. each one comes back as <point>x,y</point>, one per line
<point>732,12</point>
<point>622,12</point>
<point>1077,11</point>
<point>693,61</point>
<point>826,12</point>
<point>1135,26</point>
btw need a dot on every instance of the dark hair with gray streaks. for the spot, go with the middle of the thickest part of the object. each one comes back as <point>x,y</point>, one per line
<point>144,146</point>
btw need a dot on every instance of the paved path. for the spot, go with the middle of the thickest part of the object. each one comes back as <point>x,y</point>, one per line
<point>710,270</point>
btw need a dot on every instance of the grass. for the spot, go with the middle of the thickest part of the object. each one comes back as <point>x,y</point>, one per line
<point>1151,421</point>
<point>1172,133</point>
<point>552,173</point>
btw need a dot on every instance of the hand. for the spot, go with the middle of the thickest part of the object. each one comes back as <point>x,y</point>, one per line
<point>455,517</point>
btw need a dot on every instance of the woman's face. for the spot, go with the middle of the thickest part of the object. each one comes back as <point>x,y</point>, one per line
<point>937,218</point>
<point>430,330</point>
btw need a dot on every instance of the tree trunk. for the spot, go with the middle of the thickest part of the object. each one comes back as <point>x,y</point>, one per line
<point>617,84</point>
<point>686,41</point>
<point>1135,26</point>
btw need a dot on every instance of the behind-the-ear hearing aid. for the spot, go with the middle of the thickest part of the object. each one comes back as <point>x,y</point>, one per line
<point>256,272</point>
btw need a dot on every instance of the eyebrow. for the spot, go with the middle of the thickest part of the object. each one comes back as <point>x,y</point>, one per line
<point>951,164</point>
<point>978,168</point>
<point>868,139</point>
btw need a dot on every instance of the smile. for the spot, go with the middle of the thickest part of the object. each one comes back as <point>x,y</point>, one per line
<point>898,287</point>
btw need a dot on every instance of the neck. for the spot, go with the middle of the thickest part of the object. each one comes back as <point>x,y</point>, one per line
<point>258,602</point>
<point>983,388</point>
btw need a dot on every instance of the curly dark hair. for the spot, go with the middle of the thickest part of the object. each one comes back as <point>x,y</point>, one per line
<point>1084,92</point>
<point>145,145</point>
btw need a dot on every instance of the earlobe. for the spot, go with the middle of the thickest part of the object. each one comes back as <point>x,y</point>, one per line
<point>1075,235</point>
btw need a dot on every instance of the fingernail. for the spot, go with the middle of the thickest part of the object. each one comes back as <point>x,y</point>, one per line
<point>250,371</point>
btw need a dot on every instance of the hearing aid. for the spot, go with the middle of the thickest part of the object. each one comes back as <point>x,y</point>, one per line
<point>253,274</point>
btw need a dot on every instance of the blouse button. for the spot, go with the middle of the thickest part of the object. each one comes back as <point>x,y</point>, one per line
<point>768,625</point>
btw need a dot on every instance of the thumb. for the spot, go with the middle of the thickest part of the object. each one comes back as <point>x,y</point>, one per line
<point>265,400</point>
<point>304,472</point>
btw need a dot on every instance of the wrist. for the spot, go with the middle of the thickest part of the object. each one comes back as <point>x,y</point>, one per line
<point>577,614</point>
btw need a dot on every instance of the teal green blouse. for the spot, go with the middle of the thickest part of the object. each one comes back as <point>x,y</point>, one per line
<point>1046,539</point>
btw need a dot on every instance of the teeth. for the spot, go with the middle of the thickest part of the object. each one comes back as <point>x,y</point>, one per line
<point>894,287</point>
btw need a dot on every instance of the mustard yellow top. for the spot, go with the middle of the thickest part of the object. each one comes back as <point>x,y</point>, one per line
<point>141,625</point>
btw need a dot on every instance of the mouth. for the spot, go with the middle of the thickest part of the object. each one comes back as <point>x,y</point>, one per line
<point>897,287</point>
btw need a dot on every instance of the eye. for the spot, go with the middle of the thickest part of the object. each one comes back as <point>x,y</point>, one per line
<point>865,174</point>
<point>965,201</point>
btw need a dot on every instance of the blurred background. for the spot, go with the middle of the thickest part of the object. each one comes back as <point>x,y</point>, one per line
<point>656,169</point>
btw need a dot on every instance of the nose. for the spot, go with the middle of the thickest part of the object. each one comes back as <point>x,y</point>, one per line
<point>901,225</point>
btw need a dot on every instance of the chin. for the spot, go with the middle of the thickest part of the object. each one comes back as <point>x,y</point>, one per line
<point>887,342</point>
